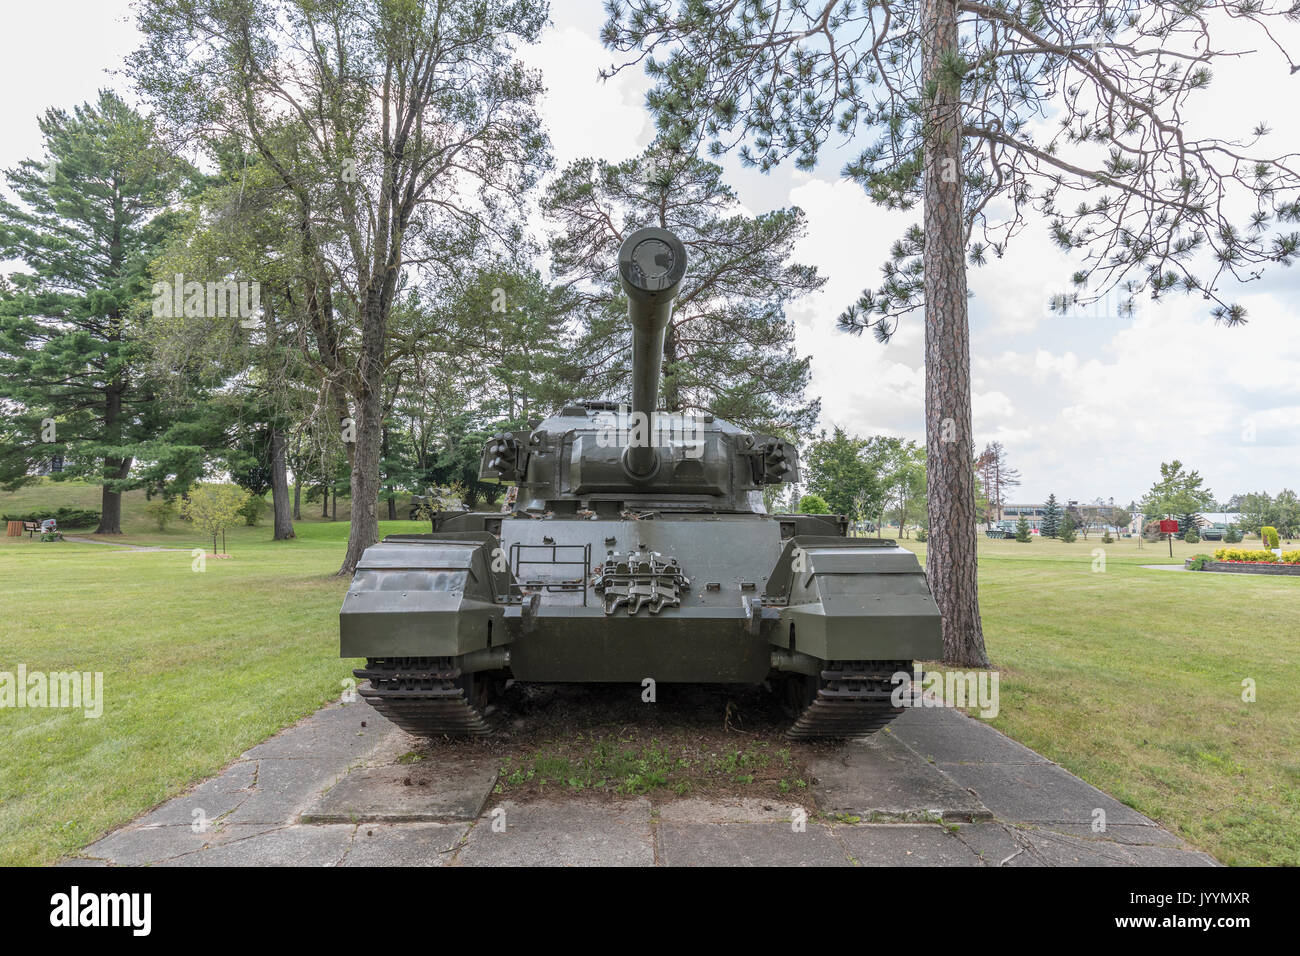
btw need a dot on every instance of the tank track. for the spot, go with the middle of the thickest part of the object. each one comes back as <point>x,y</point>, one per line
<point>430,697</point>
<point>853,699</point>
<point>425,696</point>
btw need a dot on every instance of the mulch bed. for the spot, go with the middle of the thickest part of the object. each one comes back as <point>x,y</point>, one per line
<point>601,741</point>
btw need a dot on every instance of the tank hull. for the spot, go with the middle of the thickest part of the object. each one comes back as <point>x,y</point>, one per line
<point>755,595</point>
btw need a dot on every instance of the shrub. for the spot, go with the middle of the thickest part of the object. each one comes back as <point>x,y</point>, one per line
<point>1231,535</point>
<point>813,505</point>
<point>213,508</point>
<point>1106,537</point>
<point>251,510</point>
<point>921,534</point>
<point>1238,554</point>
<point>1198,562</point>
<point>66,517</point>
<point>1269,536</point>
<point>1191,536</point>
<point>162,511</point>
<point>1291,557</point>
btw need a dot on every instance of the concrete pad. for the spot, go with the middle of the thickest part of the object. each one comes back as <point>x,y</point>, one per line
<point>1127,834</point>
<point>748,844</point>
<point>562,834</point>
<point>1038,793</point>
<point>333,731</point>
<point>949,736</point>
<point>998,845</point>
<point>140,846</point>
<point>203,803</point>
<point>288,846</point>
<point>743,810</point>
<point>902,844</point>
<point>1170,856</point>
<point>405,844</point>
<point>1057,849</point>
<point>285,787</point>
<point>238,776</point>
<point>430,791</point>
<point>881,779</point>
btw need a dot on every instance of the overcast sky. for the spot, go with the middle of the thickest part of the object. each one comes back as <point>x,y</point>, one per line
<point>1087,405</point>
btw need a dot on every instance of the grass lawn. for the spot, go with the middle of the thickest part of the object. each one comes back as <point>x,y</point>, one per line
<point>1130,678</point>
<point>197,666</point>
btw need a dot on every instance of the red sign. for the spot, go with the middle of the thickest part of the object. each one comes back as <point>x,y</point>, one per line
<point>1169,526</point>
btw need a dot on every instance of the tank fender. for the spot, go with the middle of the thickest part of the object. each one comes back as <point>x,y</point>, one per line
<point>852,599</point>
<point>426,595</point>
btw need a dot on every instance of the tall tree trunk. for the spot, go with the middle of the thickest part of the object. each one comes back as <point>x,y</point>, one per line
<point>392,502</point>
<point>672,399</point>
<point>297,497</point>
<point>368,396</point>
<point>365,474</point>
<point>280,488</point>
<point>950,560</point>
<point>325,505</point>
<point>110,513</point>
<point>110,508</point>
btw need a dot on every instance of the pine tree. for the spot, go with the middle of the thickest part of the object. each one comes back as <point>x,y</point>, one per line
<point>729,346</point>
<point>1022,530</point>
<point>1051,523</point>
<point>1067,528</point>
<point>89,220</point>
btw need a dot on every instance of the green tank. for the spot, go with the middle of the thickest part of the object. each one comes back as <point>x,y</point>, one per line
<point>638,548</point>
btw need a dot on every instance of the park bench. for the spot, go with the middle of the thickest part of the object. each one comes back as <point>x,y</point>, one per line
<point>33,528</point>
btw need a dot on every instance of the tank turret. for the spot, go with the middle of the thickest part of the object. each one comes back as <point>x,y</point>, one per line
<point>606,457</point>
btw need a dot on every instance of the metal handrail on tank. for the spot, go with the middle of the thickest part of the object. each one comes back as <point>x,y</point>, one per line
<point>651,265</point>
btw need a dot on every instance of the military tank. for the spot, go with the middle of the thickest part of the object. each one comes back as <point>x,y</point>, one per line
<point>638,548</point>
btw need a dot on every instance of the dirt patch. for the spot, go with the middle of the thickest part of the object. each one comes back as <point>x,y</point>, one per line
<point>603,742</point>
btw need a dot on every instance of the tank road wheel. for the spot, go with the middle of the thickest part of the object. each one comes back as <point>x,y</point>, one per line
<point>427,696</point>
<point>848,699</point>
<point>797,692</point>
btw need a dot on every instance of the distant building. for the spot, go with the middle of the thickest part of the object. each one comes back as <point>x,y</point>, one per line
<point>1224,518</point>
<point>1034,514</point>
<point>50,466</point>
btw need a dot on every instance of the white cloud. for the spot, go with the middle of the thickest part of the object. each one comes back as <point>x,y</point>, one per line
<point>585,115</point>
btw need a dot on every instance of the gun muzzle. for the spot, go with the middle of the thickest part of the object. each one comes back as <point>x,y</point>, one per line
<point>651,264</point>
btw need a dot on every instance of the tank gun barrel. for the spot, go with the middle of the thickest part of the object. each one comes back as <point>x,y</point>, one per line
<point>651,264</point>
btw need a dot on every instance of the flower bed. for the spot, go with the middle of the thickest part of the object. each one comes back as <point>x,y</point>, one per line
<point>1244,556</point>
<point>1284,568</point>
